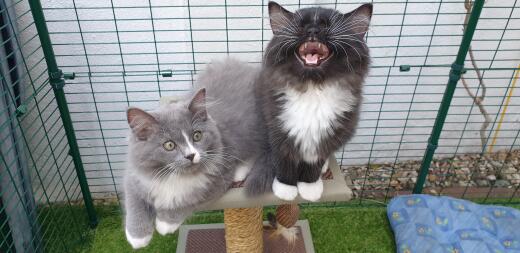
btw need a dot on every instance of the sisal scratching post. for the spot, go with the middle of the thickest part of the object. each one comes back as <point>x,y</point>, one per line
<point>244,230</point>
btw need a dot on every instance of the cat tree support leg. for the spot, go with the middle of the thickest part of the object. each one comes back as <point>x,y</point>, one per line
<point>244,230</point>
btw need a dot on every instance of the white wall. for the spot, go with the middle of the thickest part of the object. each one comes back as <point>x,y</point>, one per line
<point>395,124</point>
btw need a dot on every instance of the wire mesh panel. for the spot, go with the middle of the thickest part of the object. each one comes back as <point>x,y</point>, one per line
<point>119,53</point>
<point>133,52</point>
<point>39,189</point>
<point>408,105</point>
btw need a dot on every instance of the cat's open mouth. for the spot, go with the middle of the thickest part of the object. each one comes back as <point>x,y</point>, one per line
<point>313,53</point>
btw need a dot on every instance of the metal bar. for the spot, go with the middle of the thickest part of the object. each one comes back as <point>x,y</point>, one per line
<point>57,83</point>
<point>455,73</point>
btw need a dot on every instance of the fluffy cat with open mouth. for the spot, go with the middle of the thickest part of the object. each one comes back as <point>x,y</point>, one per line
<point>309,92</point>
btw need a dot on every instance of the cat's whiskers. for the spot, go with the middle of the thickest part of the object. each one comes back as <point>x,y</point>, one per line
<point>217,165</point>
<point>220,154</point>
<point>347,36</point>
<point>334,45</point>
<point>224,155</point>
<point>273,47</point>
<point>160,170</point>
<point>287,36</point>
<point>216,160</point>
<point>333,21</point>
<point>298,16</point>
<point>346,26</point>
<point>205,165</point>
<point>346,31</point>
<point>277,48</point>
<point>289,46</point>
<point>345,39</point>
<point>222,159</point>
<point>220,149</point>
<point>287,43</point>
<point>167,170</point>
<point>348,44</point>
<point>349,66</point>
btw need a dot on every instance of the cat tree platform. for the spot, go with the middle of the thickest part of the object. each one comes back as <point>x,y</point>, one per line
<point>334,189</point>
<point>243,230</point>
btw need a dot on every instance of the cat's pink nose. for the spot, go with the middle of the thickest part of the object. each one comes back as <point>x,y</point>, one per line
<point>190,157</point>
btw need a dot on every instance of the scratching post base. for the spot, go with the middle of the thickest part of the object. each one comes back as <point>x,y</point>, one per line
<point>206,238</point>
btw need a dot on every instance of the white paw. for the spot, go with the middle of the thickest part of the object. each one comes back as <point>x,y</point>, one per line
<point>241,172</point>
<point>164,227</point>
<point>325,166</point>
<point>138,242</point>
<point>311,191</point>
<point>284,191</point>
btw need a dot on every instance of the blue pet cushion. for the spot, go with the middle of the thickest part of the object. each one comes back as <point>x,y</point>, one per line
<point>423,223</point>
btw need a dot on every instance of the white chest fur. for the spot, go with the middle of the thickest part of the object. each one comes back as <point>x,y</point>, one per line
<point>175,190</point>
<point>308,116</point>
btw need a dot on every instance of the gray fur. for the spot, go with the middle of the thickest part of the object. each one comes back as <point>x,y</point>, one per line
<point>231,100</point>
<point>229,121</point>
<point>261,176</point>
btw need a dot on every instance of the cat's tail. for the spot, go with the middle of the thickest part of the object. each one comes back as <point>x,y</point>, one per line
<point>261,176</point>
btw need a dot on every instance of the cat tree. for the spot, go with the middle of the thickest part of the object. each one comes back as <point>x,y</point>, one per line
<point>243,229</point>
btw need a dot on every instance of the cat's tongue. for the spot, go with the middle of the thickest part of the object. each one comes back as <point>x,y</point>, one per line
<point>311,59</point>
<point>312,53</point>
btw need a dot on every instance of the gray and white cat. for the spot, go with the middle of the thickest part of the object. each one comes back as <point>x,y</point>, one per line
<point>187,153</point>
<point>309,92</point>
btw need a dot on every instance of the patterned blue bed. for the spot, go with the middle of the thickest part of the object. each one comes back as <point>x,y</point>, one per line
<point>423,223</point>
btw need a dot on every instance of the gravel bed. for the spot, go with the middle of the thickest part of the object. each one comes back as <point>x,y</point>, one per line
<point>497,170</point>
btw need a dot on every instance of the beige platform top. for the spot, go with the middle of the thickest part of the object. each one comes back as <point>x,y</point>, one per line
<point>334,189</point>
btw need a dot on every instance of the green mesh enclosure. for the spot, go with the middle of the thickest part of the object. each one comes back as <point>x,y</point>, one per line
<point>39,185</point>
<point>70,68</point>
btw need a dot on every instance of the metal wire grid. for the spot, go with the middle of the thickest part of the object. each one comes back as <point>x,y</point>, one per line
<point>412,44</point>
<point>38,180</point>
<point>131,53</point>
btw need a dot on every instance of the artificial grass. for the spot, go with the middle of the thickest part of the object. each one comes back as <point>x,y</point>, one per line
<point>334,229</point>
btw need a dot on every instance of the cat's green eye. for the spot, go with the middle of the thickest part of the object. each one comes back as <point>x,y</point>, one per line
<point>169,145</point>
<point>197,136</point>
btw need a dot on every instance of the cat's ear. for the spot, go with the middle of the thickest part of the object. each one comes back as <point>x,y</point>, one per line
<point>359,19</point>
<point>143,124</point>
<point>198,105</point>
<point>279,17</point>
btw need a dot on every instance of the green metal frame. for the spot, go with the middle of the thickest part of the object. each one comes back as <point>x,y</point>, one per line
<point>57,81</point>
<point>160,73</point>
<point>454,77</point>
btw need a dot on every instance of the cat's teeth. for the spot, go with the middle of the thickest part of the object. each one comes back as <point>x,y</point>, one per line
<point>319,45</point>
<point>305,45</point>
<point>311,59</point>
